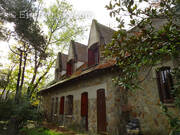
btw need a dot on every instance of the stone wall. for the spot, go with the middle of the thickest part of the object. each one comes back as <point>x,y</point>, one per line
<point>90,84</point>
<point>144,103</point>
<point>121,105</point>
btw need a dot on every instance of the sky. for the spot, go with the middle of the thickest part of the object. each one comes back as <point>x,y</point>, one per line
<point>92,9</point>
<point>96,8</point>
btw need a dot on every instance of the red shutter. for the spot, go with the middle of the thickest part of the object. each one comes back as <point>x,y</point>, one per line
<point>84,104</point>
<point>61,111</point>
<point>69,68</point>
<point>91,58</point>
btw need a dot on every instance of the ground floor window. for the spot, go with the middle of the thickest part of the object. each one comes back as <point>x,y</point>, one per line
<point>52,106</point>
<point>69,106</point>
<point>56,105</point>
<point>165,84</point>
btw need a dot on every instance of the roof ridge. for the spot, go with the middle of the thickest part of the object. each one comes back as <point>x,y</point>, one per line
<point>105,26</point>
<point>99,31</point>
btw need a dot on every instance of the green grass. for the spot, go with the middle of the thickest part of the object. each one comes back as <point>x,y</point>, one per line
<point>39,131</point>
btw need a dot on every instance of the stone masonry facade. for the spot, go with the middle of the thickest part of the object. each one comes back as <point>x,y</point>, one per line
<point>113,110</point>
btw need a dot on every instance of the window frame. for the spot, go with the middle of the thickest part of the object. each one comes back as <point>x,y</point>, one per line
<point>69,110</point>
<point>70,67</point>
<point>165,84</point>
<point>56,105</point>
<point>52,107</point>
<point>93,55</point>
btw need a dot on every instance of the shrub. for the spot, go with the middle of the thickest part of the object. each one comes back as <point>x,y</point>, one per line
<point>19,114</point>
<point>39,131</point>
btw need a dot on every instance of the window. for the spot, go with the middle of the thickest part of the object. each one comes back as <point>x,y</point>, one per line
<point>61,111</point>
<point>52,106</point>
<point>93,55</point>
<point>165,84</point>
<point>70,67</point>
<point>56,105</point>
<point>69,105</point>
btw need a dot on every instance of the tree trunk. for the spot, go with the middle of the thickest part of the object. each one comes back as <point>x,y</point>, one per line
<point>18,80</point>
<point>1,98</point>
<point>36,66</point>
<point>23,73</point>
<point>7,95</point>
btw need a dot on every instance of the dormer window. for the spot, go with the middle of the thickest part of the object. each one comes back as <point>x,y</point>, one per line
<point>93,55</point>
<point>69,67</point>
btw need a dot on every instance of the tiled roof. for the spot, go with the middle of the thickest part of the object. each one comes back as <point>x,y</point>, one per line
<point>99,34</point>
<point>83,71</point>
<point>105,32</point>
<point>81,52</point>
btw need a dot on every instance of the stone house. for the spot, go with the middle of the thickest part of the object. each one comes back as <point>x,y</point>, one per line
<point>84,95</point>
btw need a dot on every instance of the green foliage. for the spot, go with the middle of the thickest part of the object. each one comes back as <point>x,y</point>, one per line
<point>5,111</point>
<point>144,45</point>
<point>21,112</point>
<point>26,28</point>
<point>39,131</point>
<point>34,54</point>
<point>62,23</point>
<point>38,53</point>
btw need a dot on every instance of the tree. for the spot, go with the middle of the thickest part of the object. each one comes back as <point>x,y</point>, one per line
<point>145,45</point>
<point>34,52</point>
<point>27,33</point>
<point>62,26</point>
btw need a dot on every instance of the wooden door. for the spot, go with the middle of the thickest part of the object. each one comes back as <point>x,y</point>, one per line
<point>61,111</point>
<point>101,111</point>
<point>84,108</point>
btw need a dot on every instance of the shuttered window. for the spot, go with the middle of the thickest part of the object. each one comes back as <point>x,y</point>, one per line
<point>56,105</point>
<point>84,104</point>
<point>52,107</point>
<point>70,68</point>
<point>165,84</point>
<point>69,105</point>
<point>93,55</point>
<point>61,111</point>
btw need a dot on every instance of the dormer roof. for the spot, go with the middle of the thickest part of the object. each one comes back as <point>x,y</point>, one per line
<point>61,61</point>
<point>77,51</point>
<point>99,34</point>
